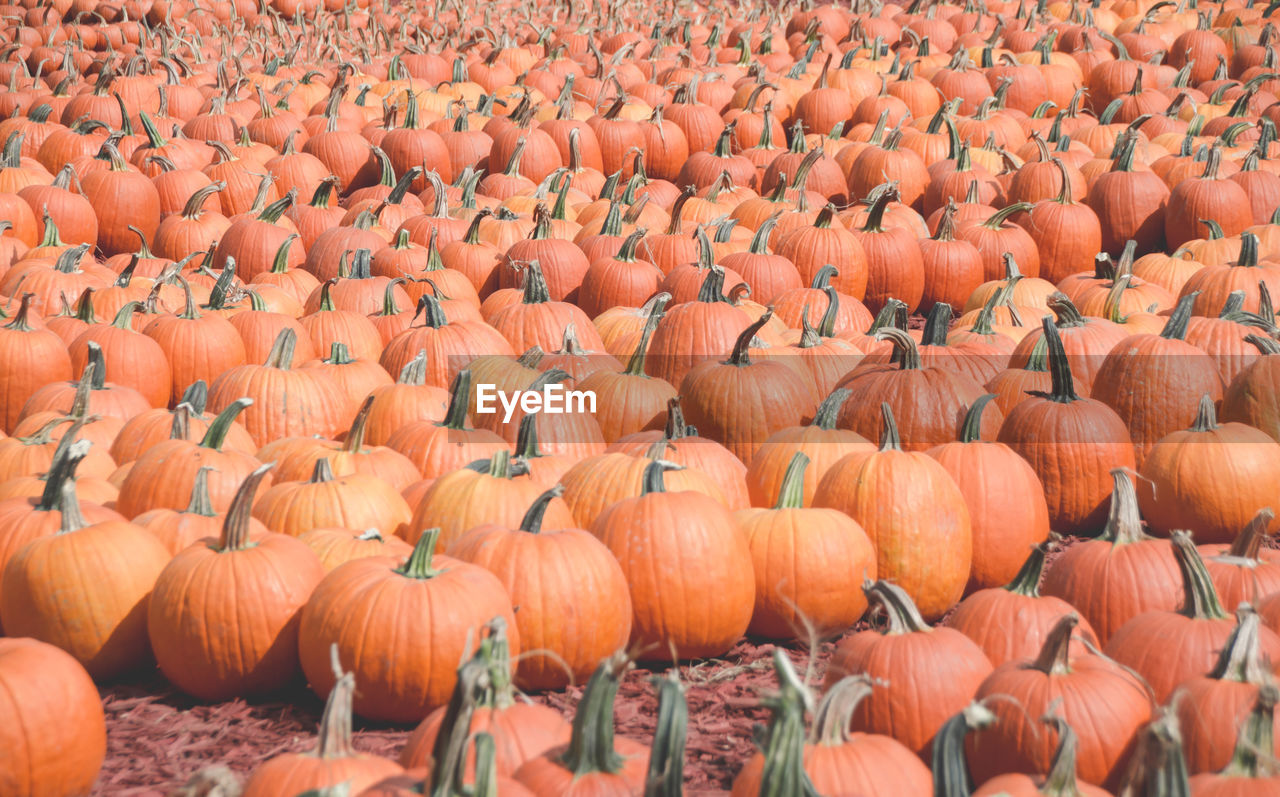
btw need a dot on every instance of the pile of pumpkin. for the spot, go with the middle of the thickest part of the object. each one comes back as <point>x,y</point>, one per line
<point>247,309</point>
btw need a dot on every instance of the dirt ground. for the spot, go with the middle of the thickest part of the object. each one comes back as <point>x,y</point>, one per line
<point>157,737</point>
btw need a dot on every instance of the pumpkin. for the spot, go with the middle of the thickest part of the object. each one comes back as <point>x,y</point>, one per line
<point>1010,623</point>
<point>934,671</point>
<point>162,477</point>
<point>197,346</point>
<point>568,627</point>
<point>97,615</point>
<point>520,730</point>
<point>497,490</point>
<point>1061,776</point>
<point>1090,691</point>
<point>57,738</point>
<point>31,356</point>
<point>1190,481</point>
<point>591,763</point>
<point>821,443</point>
<point>1072,443</point>
<point>692,332</point>
<point>339,612</point>
<point>823,544</point>
<point>1120,574</point>
<point>740,401</point>
<point>1212,707</point>
<point>1249,399</point>
<point>1247,772</point>
<point>1007,510</point>
<point>713,574</point>
<point>679,442</point>
<point>1154,382</point>
<point>1086,340</point>
<point>630,400</point>
<point>198,649</point>
<point>1241,571</point>
<point>830,757</point>
<point>333,760</point>
<point>1190,637</point>
<point>914,513</point>
<point>931,398</point>
<point>287,402</point>
<point>354,500</point>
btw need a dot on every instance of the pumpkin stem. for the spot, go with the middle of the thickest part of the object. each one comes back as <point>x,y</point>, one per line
<point>216,434</point>
<point>1159,766</point>
<point>875,216</point>
<point>475,679</point>
<point>1176,327</point>
<point>535,284</point>
<point>1255,745</point>
<point>1249,541</point>
<point>335,723</point>
<point>904,617</point>
<point>1027,580</point>
<point>1067,314</point>
<point>666,758</point>
<point>791,491</point>
<point>1064,390</point>
<point>712,289</point>
<point>1061,779</point>
<point>829,409</point>
<point>657,307</point>
<point>653,481</point>
<point>418,565</point>
<point>200,503</point>
<point>784,737</point>
<point>235,527</point>
<point>740,354</point>
<point>971,426</point>
<point>21,320</point>
<point>591,745</point>
<point>532,521</point>
<point>1054,658</point>
<point>414,372</point>
<point>1200,598</point>
<point>1206,416</point>
<point>1241,657</point>
<point>951,775</point>
<point>281,354</point>
<point>889,438</point>
<point>834,713</point>
<point>936,325</point>
<point>321,472</point>
<point>1124,523</point>
<point>905,352</point>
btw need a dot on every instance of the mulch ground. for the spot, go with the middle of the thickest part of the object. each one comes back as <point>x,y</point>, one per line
<point>157,738</point>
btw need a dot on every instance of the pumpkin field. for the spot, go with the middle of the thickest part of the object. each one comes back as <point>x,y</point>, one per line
<point>485,398</point>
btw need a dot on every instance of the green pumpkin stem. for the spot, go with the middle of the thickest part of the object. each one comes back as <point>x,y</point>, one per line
<point>784,737</point>
<point>825,417</point>
<point>936,325</point>
<point>1176,327</point>
<point>905,351</point>
<point>665,777</point>
<point>1061,780</point>
<point>889,438</point>
<point>1200,598</point>
<point>971,426</point>
<point>235,527</point>
<point>201,504</point>
<point>1255,743</point>
<point>216,434</point>
<point>1027,580</point>
<point>591,747</point>
<point>901,611</point>
<point>418,565</point>
<point>532,521</point>
<point>1064,390</point>
<point>656,308</point>
<point>334,737</point>
<point>951,776</point>
<point>1054,657</point>
<point>791,491</point>
<point>740,356</point>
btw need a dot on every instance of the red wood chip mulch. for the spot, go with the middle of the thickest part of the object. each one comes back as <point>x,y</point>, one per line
<point>158,738</point>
